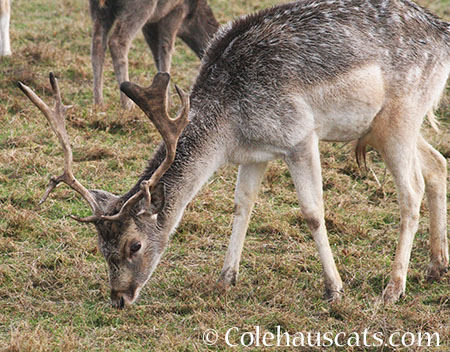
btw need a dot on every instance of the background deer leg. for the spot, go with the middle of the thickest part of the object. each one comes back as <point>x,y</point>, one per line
<point>434,170</point>
<point>248,183</point>
<point>119,44</point>
<point>98,48</point>
<point>167,29</point>
<point>305,169</point>
<point>160,37</point>
<point>151,35</point>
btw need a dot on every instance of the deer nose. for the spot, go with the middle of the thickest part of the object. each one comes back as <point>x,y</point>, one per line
<point>117,299</point>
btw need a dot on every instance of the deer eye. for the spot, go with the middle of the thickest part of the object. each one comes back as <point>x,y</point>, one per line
<point>135,246</point>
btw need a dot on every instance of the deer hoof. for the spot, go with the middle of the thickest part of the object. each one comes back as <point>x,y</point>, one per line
<point>227,278</point>
<point>392,292</point>
<point>436,271</point>
<point>334,296</point>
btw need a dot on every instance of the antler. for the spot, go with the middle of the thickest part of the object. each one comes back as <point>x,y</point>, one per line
<point>153,101</point>
<point>56,119</point>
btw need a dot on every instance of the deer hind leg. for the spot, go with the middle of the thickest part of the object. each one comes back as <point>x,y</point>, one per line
<point>166,34</point>
<point>160,37</point>
<point>399,150</point>
<point>248,183</point>
<point>434,170</point>
<point>410,187</point>
<point>119,44</point>
<point>305,169</point>
<point>151,35</point>
<point>98,49</point>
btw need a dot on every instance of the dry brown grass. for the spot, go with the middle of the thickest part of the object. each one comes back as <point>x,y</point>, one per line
<point>53,282</point>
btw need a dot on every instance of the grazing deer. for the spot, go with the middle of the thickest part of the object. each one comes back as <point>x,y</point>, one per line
<point>160,21</point>
<point>5,14</point>
<point>272,85</point>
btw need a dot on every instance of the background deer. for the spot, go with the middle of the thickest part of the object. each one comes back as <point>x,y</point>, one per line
<point>5,14</point>
<point>271,86</point>
<point>160,22</point>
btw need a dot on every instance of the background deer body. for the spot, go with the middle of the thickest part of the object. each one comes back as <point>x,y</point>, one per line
<point>271,86</point>
<point>5,14</point>
<point>160,22</point>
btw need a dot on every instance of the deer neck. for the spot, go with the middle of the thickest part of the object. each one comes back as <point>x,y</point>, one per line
<point>201,151</point>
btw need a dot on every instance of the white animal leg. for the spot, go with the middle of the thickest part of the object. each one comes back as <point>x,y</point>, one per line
<point>248,183</point>
<point>5,46</point>
<point>304,165</point>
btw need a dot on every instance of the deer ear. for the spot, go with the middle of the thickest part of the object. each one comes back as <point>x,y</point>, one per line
<point>158,198</point>
<point>104,199</point>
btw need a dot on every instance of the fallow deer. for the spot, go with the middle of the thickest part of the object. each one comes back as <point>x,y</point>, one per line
<point>160,22</point>
<point>272,85</point>
<point>5,15</point>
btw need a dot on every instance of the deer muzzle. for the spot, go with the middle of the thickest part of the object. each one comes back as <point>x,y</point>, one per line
<point>120,299</point>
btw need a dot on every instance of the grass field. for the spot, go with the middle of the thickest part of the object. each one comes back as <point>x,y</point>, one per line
<point>54,293</point>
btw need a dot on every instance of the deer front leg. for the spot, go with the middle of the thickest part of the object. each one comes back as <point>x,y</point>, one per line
<point>248,183</point>
<point>305,169</point>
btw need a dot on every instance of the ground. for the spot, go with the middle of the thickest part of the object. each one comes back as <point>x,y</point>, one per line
<point>53,281</point>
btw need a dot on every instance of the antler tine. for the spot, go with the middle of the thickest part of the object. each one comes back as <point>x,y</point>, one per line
<point>56,119</point>
<point>170,130</point>
<point>152,100</point>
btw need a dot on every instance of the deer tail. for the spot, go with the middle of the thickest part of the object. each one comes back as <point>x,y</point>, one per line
<point>360,152</point>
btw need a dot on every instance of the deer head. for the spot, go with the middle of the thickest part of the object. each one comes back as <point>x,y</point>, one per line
<point>198,27</point>
<point>127,228</point>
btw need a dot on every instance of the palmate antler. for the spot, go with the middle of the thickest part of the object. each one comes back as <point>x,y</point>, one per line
<point>153,101</point>
<point>57,120</point>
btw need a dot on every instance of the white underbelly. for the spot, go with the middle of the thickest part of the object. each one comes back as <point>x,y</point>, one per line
<point>344,124</point>
<point>245,154</point>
